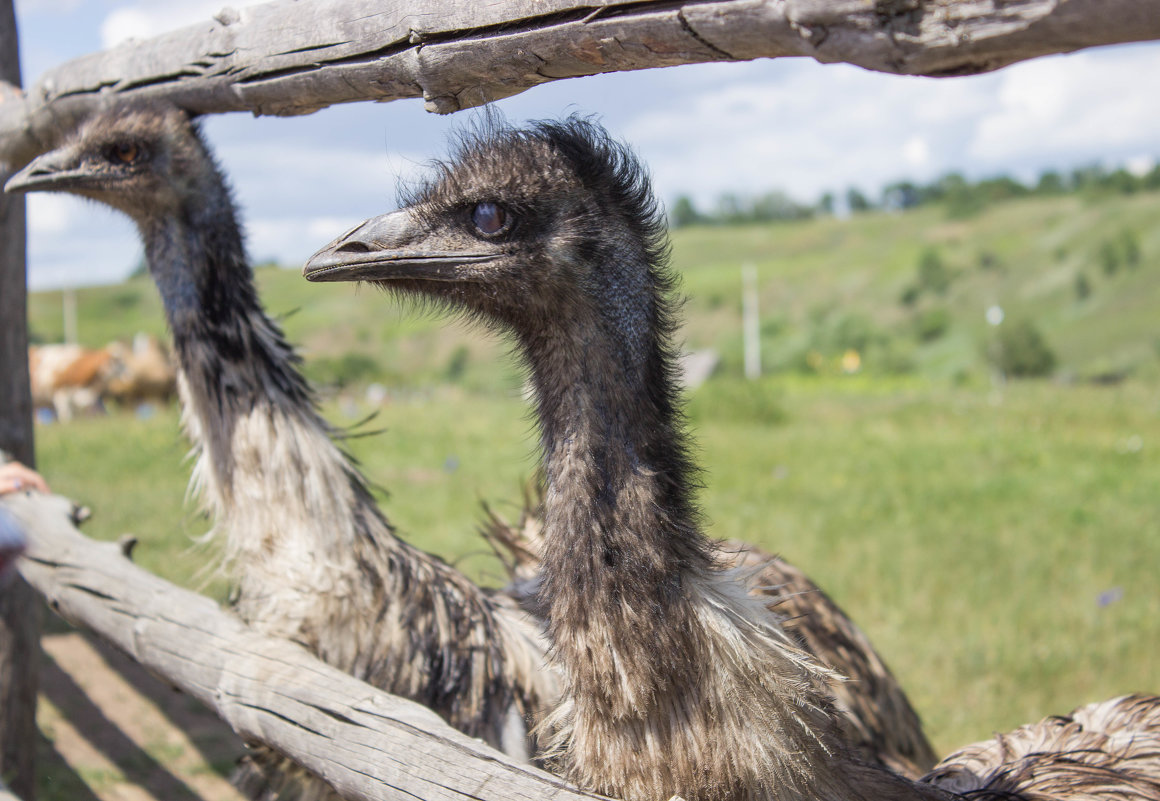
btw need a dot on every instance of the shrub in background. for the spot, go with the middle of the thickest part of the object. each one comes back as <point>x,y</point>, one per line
<point>932,324</point>
<point>1021,351</point>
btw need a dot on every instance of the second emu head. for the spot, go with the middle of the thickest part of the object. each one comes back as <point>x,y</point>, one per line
<point>146,160</point>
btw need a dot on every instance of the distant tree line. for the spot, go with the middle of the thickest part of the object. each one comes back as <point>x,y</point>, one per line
<point>732,209</point>
<point>961,196</point>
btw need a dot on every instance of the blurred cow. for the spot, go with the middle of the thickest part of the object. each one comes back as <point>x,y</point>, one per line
<point>72,380</point>
<point>68,379</point>
<point>141,373</point>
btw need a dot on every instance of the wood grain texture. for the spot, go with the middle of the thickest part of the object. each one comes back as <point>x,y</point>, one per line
<point>19,606</point>
<point>16,435</point>
<point>296,56</point>
<point>369,745</point>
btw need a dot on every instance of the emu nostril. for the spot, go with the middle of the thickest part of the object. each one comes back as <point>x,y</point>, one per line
<point>354,246</point>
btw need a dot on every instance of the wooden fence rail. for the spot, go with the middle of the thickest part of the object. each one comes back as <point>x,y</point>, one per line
<point>371,746</point>
<point>296,56</point>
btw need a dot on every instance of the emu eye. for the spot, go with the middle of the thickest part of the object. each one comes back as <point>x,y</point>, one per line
<point>125,152</point>
<point>489,218</point>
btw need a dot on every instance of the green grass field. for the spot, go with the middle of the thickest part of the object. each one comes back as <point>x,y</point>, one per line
<point>1001,551</point>
<point>1000,546</point>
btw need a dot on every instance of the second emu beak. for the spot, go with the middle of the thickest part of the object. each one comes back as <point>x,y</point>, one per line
<point>392,247</point>
<point>51,171</point>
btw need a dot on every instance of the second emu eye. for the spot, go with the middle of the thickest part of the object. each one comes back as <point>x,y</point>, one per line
<point>125,152</point>
<point>489,218</point>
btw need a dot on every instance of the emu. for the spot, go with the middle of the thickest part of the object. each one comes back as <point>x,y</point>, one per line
<point>314,558</point>
<point>677,680</point>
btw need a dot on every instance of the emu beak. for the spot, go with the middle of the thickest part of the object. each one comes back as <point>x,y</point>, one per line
<point>55,171</point>
<point>392,247</point>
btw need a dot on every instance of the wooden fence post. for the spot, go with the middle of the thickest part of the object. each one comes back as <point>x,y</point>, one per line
<point>19,605</point>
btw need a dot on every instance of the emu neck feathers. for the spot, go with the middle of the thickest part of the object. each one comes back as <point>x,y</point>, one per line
<point>617,475</point>
<point>267,468</point>
<point>297,518</point>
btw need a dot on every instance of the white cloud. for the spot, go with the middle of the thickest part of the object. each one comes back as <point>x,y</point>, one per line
<point>297,197</point>
<point>144,19</point>
<point>50,214</point>
<point>125,24</point>
<point>292,240</point>
<point>312,177</point>
<point>825,128</point>
<point>76,243</point>
<point>1140,165</point>
<point>328,228</point>
<point>1094,103</point>
<point>916,152</point>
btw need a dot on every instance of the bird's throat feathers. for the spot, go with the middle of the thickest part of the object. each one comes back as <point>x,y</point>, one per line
<point>668,661</point>
<point>621,524</point>
<point>197,257</point>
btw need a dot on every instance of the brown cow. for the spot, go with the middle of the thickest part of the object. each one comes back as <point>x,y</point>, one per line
<point>71,380</point>
<point>68,379</point>
<point>142,373</point>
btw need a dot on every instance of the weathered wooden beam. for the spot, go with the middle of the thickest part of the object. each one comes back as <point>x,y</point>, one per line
<point>369,745</point>
<point>296,56</point>
<point>19,606</point>
<point>16,434</point>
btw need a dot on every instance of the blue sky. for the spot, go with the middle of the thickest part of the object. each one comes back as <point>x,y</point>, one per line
<point>790,124</point>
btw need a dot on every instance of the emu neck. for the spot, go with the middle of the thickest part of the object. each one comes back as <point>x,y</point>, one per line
<point>622,539</point>
<point>297,519</point>
<point>677,681</point>
<point>233,359</point>
<point>229,350</point>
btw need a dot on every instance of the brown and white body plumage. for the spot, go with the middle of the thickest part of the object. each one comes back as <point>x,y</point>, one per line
<point>314,559</point>
<point>876,717</point>
<point>678,681</point>
<point>1108,751</point>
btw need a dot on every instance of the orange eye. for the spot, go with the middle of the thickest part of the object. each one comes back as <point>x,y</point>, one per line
<point>126,152</point>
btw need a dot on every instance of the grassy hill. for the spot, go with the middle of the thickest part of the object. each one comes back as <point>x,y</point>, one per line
<point>826,286</point>
<point>999,544</point>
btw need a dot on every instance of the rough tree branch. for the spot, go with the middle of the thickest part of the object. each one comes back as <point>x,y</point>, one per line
<point>369,745</point>
<point>296,56</point>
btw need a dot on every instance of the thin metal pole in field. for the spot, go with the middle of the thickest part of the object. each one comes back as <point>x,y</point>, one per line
<point>69,309</point>
<point>750,322</point>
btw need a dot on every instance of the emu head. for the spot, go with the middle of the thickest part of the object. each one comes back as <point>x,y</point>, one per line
<point>535,229</point>
<point>146,160</point>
